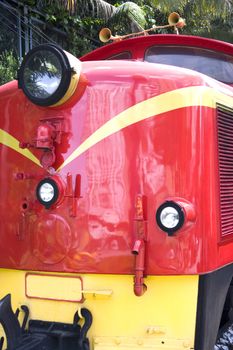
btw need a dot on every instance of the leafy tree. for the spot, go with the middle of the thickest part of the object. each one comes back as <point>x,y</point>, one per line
<point>128,14</point>
<point>82,20</point>
<point>209,18</point>
<point>8,66</point>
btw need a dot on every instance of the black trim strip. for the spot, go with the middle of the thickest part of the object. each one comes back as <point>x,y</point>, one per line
<point>212,293</point>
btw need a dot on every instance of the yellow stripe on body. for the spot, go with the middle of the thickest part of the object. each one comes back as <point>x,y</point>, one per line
<point>179,98</point>
<point>168,101</point>
<point>11,142</point>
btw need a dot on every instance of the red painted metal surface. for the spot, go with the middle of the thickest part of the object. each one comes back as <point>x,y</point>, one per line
<point>138,45</point>
<point>172,155</point>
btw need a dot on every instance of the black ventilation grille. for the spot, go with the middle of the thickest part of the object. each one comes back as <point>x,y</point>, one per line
<point>225,154</point>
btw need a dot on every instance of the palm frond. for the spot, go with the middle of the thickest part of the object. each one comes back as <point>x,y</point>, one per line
<point>169,5</point>
<point>210,8</point>
<point>129,12</point>
<point>82,8</point>
<point>129,15</point>
<point>94,8</point>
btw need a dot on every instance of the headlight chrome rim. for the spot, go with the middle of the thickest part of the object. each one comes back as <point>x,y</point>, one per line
<point>66,75</point>
<point>53,184</point>
<point>180,213</point>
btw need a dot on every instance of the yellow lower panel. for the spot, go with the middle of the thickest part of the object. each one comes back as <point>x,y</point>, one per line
<point>120,343</point>
<point>163,318</point>
<point>62,288</point>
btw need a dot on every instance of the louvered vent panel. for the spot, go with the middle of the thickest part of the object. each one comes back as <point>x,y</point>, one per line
<point>225,149</point>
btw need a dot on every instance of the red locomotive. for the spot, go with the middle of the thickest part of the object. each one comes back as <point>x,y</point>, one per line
<point>117,197</point>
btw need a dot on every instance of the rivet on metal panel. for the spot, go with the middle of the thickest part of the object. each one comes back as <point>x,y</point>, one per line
<point>96,341</point>
<point>117,341</point>
<point>186,344</point>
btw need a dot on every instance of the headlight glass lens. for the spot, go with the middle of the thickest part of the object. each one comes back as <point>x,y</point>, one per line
<point>49,75</point>
<point>46,192</point>
<point>169,217</point>
<point>42,74</point>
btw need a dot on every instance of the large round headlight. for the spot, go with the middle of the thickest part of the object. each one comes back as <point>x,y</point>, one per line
<point>170,217</point>
<point>47,192</point>
<point>46,74</point>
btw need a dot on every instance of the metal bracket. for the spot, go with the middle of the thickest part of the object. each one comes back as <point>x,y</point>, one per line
<point>139,245</point>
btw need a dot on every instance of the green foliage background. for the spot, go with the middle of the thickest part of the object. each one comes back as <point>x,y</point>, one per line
<point>81,20</point>
<point>8,66</point>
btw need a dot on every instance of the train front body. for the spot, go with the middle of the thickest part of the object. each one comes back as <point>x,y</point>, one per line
<point>116,196</point>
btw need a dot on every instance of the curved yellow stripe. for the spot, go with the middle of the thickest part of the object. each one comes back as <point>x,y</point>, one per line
<point>180,98</point>
<point>11,142</point>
